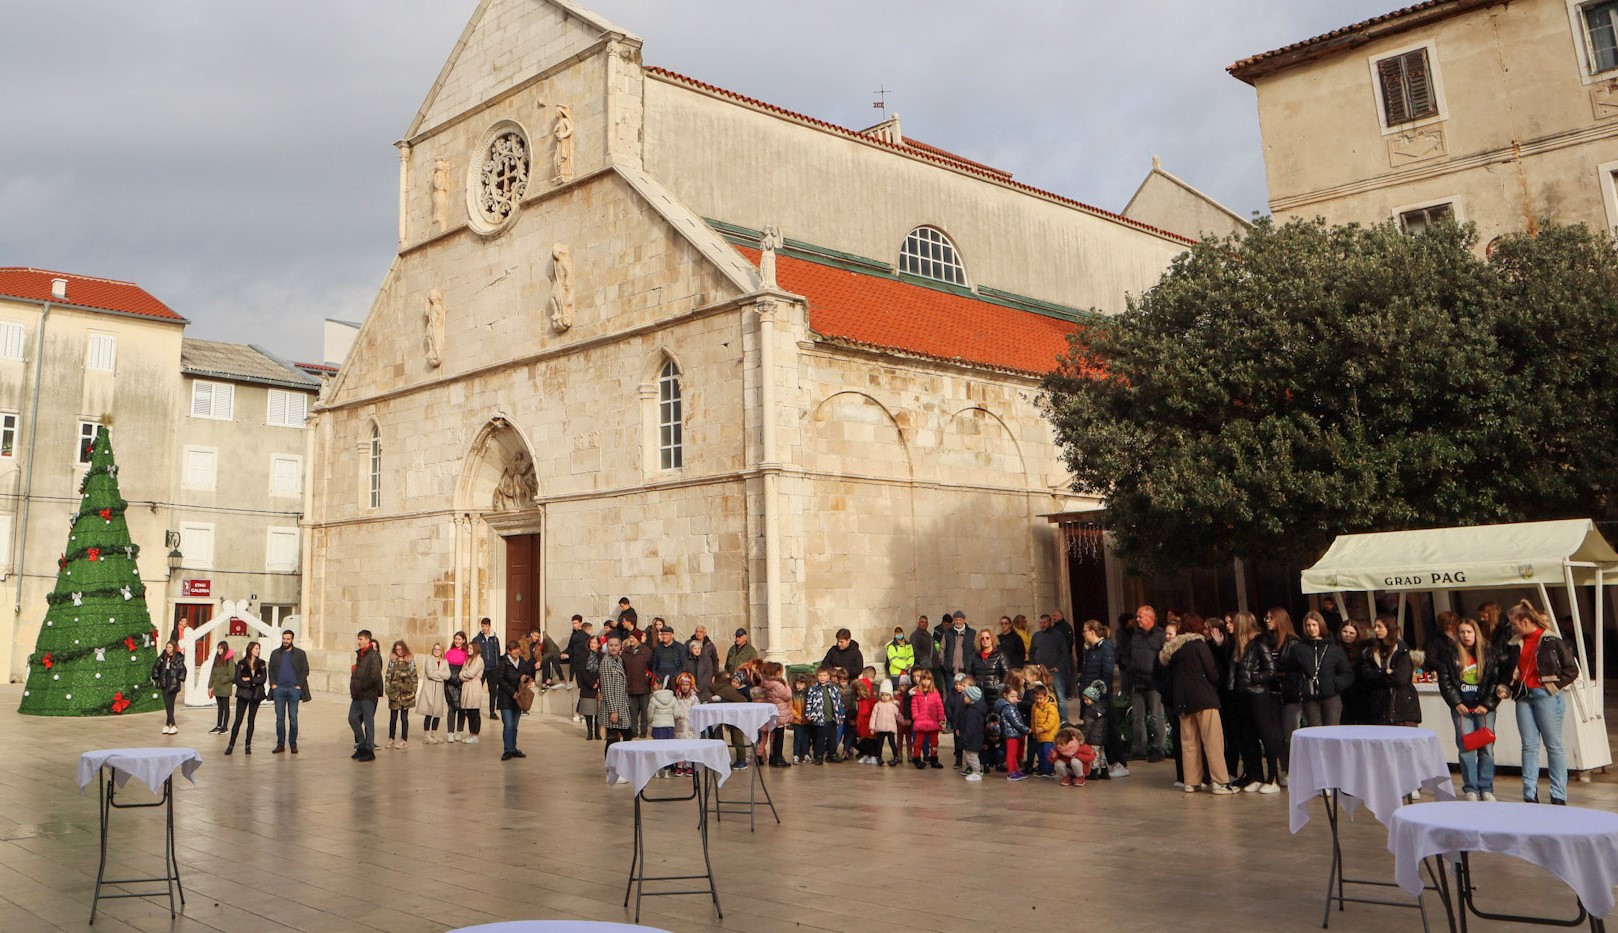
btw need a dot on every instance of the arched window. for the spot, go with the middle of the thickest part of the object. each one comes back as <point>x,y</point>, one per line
<point>376,467</point>
<point>928,253</point>
<point>670,419</point>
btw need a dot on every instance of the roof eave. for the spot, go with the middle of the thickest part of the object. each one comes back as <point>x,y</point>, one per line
<point>1249,69</point>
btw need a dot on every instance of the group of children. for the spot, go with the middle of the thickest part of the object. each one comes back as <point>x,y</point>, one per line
<point>1016,730</point>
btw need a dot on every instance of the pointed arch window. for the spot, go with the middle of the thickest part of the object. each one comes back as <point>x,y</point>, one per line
<point>376,467</point>
<point>928,253</point>
<point>670,418</point>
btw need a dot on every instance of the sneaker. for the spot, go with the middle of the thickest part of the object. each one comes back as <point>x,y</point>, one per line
<point>454,736</point>
<point>1067,781</point>
<point>1154,757</point>
<point>1117,771</point>
<point>1016,776</point>
<point>517,753</point>
<point>1222,790</point>
<point>1283,779</point>
<point>817,761</point>
<point>974,777</point>
<point>935,763</point>
<point>470,740</point>
<point>1077,782</point>
<point>1182,784</point>
<point>505,756</point>
<point>894,763</point>
<point>1558,802</point>
<point>402,747</point>
<point>1488,795</point>
<point>578,718</point>
<point>1189,788</point>
<point>1472,796</point>
<point>1252,788</point>
<point>366,755</point>
<point>1267,789</point>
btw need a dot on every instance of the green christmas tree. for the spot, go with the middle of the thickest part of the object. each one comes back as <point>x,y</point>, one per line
<point>96,649</point>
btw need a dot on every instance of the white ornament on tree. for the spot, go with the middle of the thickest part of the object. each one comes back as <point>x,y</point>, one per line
<point>128,593</point>
<point>78,599</point>
<point>101,655</point>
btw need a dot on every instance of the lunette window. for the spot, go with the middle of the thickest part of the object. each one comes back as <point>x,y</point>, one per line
<point>928,253</point>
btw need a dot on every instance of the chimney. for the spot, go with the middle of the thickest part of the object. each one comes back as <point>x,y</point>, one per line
<point>59,289</point>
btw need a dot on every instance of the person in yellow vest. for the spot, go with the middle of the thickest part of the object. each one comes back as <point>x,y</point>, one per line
<point>901,654</point>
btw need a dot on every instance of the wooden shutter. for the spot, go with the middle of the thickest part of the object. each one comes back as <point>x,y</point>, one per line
<point>1390,71</point>
<point>1419,85</point>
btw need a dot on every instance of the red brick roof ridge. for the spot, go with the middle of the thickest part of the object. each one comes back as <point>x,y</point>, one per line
<point>968,167</point>
<point>96,293</point>
<point>1235,67</point>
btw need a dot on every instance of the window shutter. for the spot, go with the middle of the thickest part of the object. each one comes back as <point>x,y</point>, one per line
<point>224,401</point>
<point>11,341</point>
<point>281,555</point>
<point>199,469</point>
<point>1419,85</point>
<point>286,475</point>
<point>5,543</point>
<point>297,409</point>
<point>1391,73</point>
<point>278,407</point>
<point>201,399</point>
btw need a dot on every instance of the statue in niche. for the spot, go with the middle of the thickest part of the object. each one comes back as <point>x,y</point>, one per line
<point>518,485</point>
<point>441,195</point>
<point>562,137</point>
<point>561,300</point>
<point>767,245</point>
<point>433,322</point>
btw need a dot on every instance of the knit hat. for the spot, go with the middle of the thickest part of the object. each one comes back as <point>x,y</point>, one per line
<point>974,693</point>
<point>887,688</point>
<point>1094,691</point>
<point>959,677</point>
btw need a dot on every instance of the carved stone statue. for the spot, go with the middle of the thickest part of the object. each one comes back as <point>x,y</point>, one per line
<point>433,323</point>
<point>768,244</point>
<point>441,195</point>
<point>562,136</point>
<point>561,300</point>
<point>518,485</point>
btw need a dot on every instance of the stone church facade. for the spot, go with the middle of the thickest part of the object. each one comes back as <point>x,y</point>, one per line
<point>648,337</point>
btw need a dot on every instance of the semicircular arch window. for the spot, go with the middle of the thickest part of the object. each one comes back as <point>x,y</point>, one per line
<point>929,254</point>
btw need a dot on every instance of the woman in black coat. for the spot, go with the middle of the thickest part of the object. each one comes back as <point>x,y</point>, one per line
<point>1193,677</point>
<point>1387,666</point>
<point>251,674</point>
<point>1357,695</point>
<point>1252,679</point>
<point>1321,671</point>
<point>989,667</point>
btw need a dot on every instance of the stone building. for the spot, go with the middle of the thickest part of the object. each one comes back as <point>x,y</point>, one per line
<point>192,430</point>
<point>1500,113</point>
<point>649,337</point>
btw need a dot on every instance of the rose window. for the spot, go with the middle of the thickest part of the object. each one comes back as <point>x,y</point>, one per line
<point>504,179</point>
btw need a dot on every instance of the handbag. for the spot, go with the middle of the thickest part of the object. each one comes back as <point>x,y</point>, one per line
<point>1477,738</point>
<point>524,697</point>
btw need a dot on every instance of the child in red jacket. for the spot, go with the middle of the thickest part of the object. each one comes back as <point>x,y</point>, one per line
<point>1072,757</point>
<point>865,690</point>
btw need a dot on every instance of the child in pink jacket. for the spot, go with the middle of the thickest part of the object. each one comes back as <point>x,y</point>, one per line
<point>927,718</point>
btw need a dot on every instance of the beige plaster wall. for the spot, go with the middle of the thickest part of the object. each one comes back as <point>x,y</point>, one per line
<point>1165,203</point>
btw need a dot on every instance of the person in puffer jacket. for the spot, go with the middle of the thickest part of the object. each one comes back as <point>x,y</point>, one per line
<point>823,711</point>
<point>927,718</point>
<point>1013,731</point>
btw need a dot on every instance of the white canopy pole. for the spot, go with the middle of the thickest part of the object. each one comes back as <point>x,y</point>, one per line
<point>1578,639</point>
<point>1598,668</point>
<point>1548,609</point>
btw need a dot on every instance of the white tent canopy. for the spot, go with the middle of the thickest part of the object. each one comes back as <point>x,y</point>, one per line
<point>1521,554</point>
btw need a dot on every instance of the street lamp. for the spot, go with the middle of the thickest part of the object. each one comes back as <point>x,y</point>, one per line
<point>175,558</point>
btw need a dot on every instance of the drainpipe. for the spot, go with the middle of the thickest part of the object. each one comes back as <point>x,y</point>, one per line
<point>58,291</point>
<point>771,466</point>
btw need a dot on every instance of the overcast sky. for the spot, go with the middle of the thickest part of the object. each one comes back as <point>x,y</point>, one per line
<point>236,159</point>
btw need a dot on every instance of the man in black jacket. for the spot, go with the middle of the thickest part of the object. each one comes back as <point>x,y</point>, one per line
<point>364,687</point>
<point>289,686</point>
<point>845,654</point>
<point>668,658</point>
<point>921,641</point>
<point>955,646</point>
<point>489,650</point>
<point>1138,657</point>
<point>1050,650</point>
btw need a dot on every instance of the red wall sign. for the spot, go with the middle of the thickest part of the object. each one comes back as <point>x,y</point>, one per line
<point>196,587</point>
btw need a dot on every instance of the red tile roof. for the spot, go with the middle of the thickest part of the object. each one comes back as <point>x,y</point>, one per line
<point>915,150</point>
<point>85,292</point>
<point>889,314</point>
<point>1353,34</point>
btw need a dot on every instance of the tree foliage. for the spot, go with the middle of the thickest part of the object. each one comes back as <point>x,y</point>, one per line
<point>1300,381</point>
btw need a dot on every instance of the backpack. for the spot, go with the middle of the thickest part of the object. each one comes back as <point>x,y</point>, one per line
<point>991,728</point>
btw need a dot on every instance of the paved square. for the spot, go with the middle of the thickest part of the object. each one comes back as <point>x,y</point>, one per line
<point>439,837</point>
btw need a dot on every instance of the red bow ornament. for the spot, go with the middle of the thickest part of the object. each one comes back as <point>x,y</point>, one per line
<point>130,643</point>
<point>93,553</point>
<point>46,660</point>
<point>119,704</point>
<point>106,514</point>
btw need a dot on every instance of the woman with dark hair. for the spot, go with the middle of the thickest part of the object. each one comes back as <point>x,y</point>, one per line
<point>221,682</point>
<point>399,683</point>
<point>1096,672</point>
<point>168,675</point>
<point>988,666</point>
<point>1321,670</point>
<point>455,657</point>
<point>1289,685</point>
<point>251,675</point>
<point>1391,673</point>
<point>1011,644</point>
<point>1357,695</point>
<point>1467,677</point>
<point>1257,714</point>
<point>1192,675</point>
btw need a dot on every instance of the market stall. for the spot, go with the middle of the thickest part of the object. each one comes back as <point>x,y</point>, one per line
<point>1534,555</point>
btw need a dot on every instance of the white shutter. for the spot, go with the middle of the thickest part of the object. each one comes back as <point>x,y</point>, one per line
<point>297,409</point>
<point>101,353</point>
<point>5,543</point>
<point>278,408</point>
<point>281,551</point>
<point>201,468</point>
<point>196,544</point>
<point>11,341</point>
<point>287,409</point>
<point>202,399</point>
<point>286,475</point>
<point>224,401</point>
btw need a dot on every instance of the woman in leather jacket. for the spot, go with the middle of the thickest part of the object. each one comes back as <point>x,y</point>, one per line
<point>1467,677</point>
<point>1257,712</point>
<point>1388,668</point>
<point>988,666</point>
<point>251,674</point>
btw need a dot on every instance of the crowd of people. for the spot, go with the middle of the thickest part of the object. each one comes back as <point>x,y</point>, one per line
<point>1226,693</point>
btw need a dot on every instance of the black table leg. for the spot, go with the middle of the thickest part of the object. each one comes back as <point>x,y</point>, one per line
<point>1465,891</point>
<point>637,864</point>
<point>106,790</point>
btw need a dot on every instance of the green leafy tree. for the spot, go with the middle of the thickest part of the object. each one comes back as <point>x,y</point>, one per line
<point>97,646</point>
<point>1300,381</point>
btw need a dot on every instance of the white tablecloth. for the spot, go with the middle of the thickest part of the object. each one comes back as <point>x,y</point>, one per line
<point>151,765</point>
<point>636,762</point>
<point>1577,845</point>
<point>748,717</point>
<point>558,926</point>
<point>1375,764</point>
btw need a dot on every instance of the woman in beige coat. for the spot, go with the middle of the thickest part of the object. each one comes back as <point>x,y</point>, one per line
<point>430,701</point>
<point>469,717</point>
